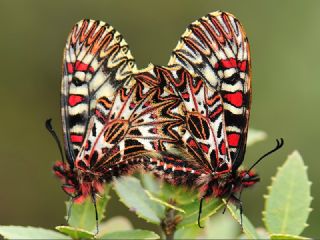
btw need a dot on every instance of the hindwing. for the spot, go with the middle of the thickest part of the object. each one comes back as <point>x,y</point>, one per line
<point>142,120</point>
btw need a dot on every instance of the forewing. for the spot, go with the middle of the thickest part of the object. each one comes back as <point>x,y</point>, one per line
<point>96,63</point>
<point>215,48</point>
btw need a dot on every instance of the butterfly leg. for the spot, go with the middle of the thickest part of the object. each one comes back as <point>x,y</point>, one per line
<point>208,193</point>
<point>93,196</point>
<point>228,199</point>
<point>69,209</point>
<point>200,211</point>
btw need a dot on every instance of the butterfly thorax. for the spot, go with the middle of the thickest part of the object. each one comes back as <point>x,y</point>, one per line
<point>228,184</point>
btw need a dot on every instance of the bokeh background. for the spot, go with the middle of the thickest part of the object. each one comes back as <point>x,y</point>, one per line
<point>285,46</point>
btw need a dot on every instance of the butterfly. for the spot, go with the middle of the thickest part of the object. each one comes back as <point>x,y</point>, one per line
<point>114,117</point>
<point>210,71</point>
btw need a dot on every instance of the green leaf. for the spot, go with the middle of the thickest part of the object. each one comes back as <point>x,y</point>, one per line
<point>179,195</point>
<point>168,205</point>
<point>262,233</point>
<point>132,194</point>
<point>221,226</point>
<point>131,234</point>
<point>189,232</point>
<point>75,233</point>
<point>287,206</point>
<point>192,212</point>
<point>19,232</point>
<point>255,136</point>
<point>114,224</point>
<point>150,183</point>
<point>83,215</point>
<point>286,237</point>
<point>247,226</point>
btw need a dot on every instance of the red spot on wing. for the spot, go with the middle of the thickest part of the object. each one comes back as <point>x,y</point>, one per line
<point>75,99</point>
<point>233,139</point>
<point>153,116</point>
<point>132,105</point>
<point>192,143</point>
<point>229,63</point>
<point>185,95</point>
<point>232,63</point>
<point>80,66</point>
<point>236,98</point>
<point>215,113</point>
<point>147,104</point>
<point>242,65</point>
<point>76,138</point>
<point>70,68</point>
<point>205,148</point>
<point>223,148</point>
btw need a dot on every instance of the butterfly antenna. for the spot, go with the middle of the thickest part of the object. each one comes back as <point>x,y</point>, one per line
<point>279,145</point>
<point>200,211</point>
<point>96,211</point>
<point>54,135</point>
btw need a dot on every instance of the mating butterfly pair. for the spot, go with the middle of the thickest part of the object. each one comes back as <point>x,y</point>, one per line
<point>186,123</point>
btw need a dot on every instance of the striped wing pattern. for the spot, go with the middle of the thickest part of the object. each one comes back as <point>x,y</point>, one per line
<point>215,49</point>
<point>142,120</point>
<point>204,123</point>
<point>96,63</point>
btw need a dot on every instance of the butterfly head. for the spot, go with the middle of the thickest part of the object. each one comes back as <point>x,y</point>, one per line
<point>76,184</point>
<point>247,178</point>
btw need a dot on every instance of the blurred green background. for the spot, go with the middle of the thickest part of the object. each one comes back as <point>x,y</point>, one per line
<point>285,46</point>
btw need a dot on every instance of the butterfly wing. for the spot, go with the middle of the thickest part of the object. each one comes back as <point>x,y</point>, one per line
<point>96,63</point>
<point>204,136</point>
<point>215,49</point>
<point>142,120</point>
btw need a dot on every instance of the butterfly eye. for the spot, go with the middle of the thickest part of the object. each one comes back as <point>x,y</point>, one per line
<point>246,177</point>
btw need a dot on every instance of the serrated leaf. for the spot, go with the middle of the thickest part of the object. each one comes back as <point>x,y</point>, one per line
<point>189,232</point>
<point>83,215</point>
<point>247,226</point>
<point>286,237</point>
<point>150,183</point>
<point>221,226</point>
<point>255,136</point>
<point>114,224</point>
<point>132,194</point>
<point>192,212</point>
<point>177,194</point>
<point>165,204</point>
<point>131,234</point>
<point>75,233</point>
<point>20,232</point>
<point>288,205</point>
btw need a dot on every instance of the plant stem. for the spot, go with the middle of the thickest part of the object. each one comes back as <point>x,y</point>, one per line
<point>169,223</point>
